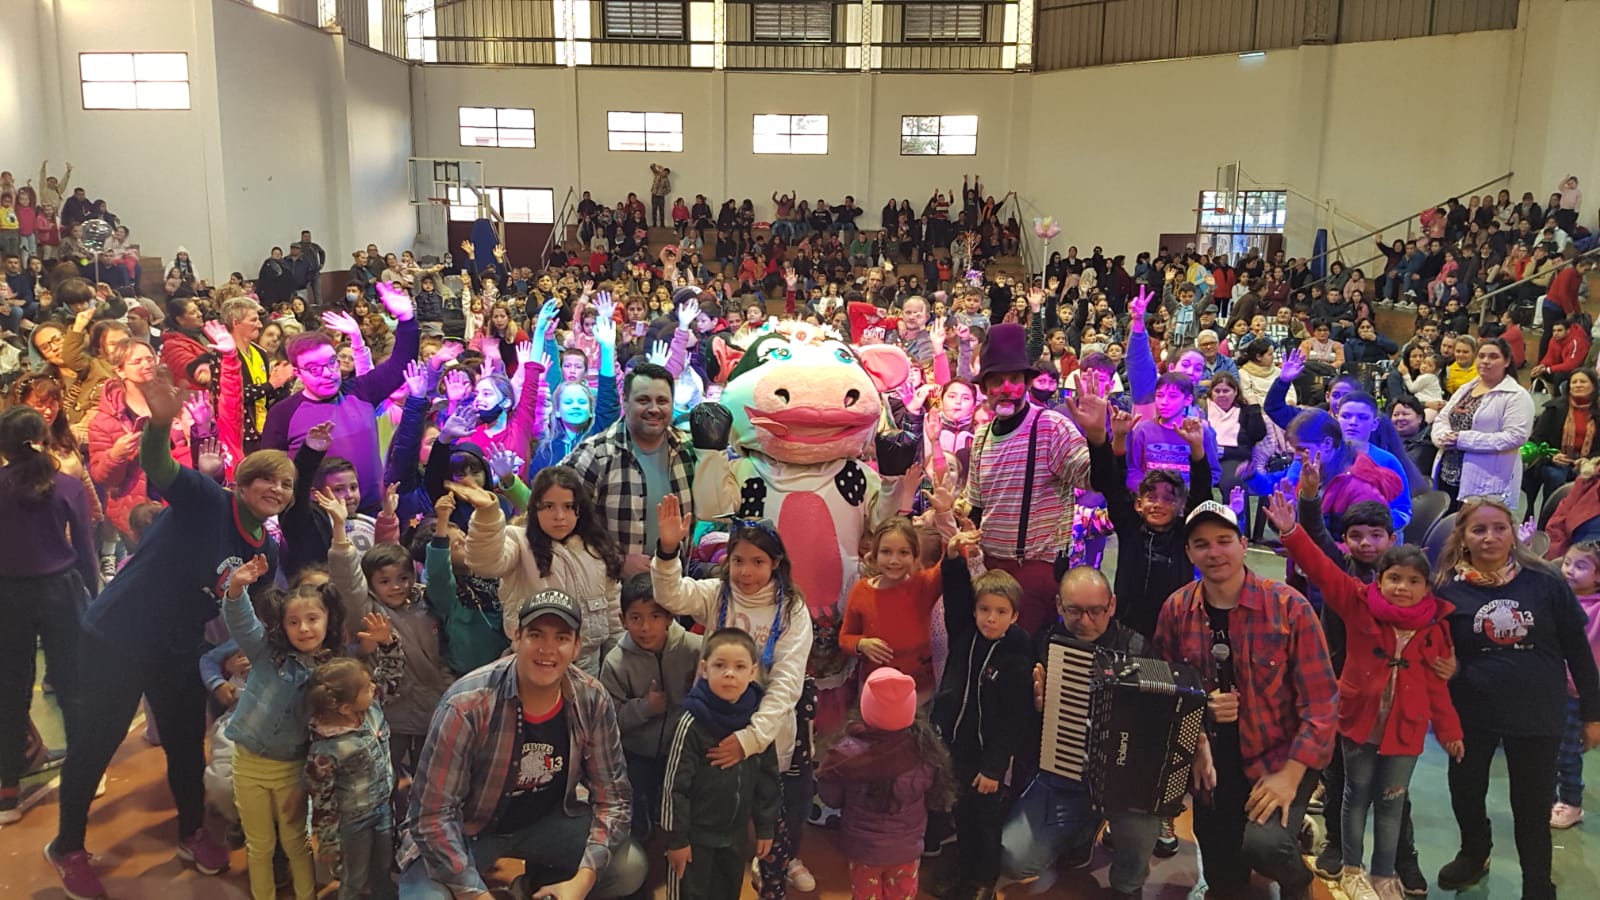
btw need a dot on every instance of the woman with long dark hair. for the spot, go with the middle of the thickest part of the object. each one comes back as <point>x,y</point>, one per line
<point>1519,635</point>
<point>45,573</point>
<point>566,546</point>
<point>1567,424</point>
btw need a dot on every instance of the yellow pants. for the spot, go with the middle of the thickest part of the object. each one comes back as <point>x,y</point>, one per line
<point>272,809</point>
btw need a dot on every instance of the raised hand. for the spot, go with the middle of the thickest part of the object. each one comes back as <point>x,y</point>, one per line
<point>1236,500</point>
<point>588,287</point>
<point>963,333</point>
<point>396,301</point>
<point>943,496</point>
<point>1281,511</point>
<point>658,353</point>
<point>457,386</point>
<point>208,459</point>
<point>1140,303</point>
<point>446,353</point>
<point>1294,362</point>
<point>164,398</point>
<point>1193,431</point>
<point>443,509</point>
<point>1123,423</point>
<point>391,497</point>
<point>247,574</point>
<point>198,406</point>
<point>1310,475</point>
<point>467,247</point>
<point>525,352</point>
<point>375,632</point>
<point>936,333</point>
<point>342,322</point>
<point>688,311</point>
<point>319,437</point>
<point>333,506</point>
<point>416,379</point>
<point>1089,408</point>
<point>964,543</point>
<point>1526,530</point>
<point>480,498</point>
<point>460,423</point>
<point>672,525</point>
<point>282,373</point>
<point>791,278</point>
<point>220,338</point>
<point>504,463</point>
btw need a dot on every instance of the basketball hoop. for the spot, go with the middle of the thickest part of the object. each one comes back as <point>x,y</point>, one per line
<point>442,201</point>
<point>1218,210</point>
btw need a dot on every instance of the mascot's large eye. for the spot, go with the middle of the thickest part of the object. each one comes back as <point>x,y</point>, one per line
<point>779,353</point>
<point>843,355</point>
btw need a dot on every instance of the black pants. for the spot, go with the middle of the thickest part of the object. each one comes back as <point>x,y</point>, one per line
<point>979,820</point>
<point>713,873</point>
<point>111,683</point>
<point>1231,845</point>
<point>658,211</point>
<point>1531,764</point>
<point>46,610</point>
<point>1333,811</point>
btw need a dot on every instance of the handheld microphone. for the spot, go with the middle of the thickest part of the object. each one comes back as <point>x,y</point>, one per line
<point>1223,655</point>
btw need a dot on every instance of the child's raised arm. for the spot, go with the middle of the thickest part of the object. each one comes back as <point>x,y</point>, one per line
<point>1340,590</point>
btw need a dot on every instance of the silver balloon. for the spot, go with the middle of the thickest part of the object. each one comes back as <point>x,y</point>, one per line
<point>94,234</point>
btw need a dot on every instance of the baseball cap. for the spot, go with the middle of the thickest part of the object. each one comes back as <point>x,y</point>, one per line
<point>553,603</point>
<point>1211,510</point>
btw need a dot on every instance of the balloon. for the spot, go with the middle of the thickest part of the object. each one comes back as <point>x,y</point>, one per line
<point>1046,228</point>
<point>94,233</point>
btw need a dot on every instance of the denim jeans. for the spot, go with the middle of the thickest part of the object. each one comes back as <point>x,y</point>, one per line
<point>552,848</point>
<point>1381,783</point>
<point>1569,759</point>
<point>366,847</point>
<point>1054,814</point>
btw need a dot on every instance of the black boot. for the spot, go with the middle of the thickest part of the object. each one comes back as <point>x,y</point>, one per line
<point>1412,881</point>
<point>1463,872</point>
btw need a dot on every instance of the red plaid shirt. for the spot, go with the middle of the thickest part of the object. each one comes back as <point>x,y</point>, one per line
<point>1288,696</point>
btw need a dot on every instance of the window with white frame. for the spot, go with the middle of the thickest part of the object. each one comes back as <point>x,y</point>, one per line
<point>134,80</point>
<point>490,126</point>
<point>653,132</point>
<point>535,206</point>
<point>647,20</point>
<point>943,21</point>
<point>793,21</point>
<point>938,135</point>
<point>798,135</point>
<point>421,29</point>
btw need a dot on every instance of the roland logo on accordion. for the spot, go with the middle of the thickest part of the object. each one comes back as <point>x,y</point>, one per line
<point>1127,726</point>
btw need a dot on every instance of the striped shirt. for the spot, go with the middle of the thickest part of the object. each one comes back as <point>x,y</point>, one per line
<point>997,481</point>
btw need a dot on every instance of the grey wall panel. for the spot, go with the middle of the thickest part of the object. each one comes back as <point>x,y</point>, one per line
<point>1067,34</point>
<point>1281,23</point>
<point>1215,26</point>
<point>1457,16</point>
<point>1381,20</point>
<point>1139,30</point>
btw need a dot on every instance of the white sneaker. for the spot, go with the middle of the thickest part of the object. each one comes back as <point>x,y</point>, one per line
<point>1353,881</point>
<point>1388,887</point>
<point>100,789</point>
<point>800,877</point>
<point>1563,815</point>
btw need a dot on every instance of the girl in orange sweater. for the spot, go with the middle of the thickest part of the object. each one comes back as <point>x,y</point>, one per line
<point>888,618</point>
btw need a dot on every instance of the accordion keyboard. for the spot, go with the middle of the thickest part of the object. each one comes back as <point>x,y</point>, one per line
<point>1064,744</point>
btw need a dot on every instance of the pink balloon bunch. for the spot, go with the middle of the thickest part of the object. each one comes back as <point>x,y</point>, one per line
<point>1046,228</point>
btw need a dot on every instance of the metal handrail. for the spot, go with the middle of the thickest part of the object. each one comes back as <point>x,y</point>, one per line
<point>1377,231</point>
<point>1565,261</point>
<point>559,231</point>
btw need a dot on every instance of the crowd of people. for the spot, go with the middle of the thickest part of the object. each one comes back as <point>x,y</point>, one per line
<point>412,579</point>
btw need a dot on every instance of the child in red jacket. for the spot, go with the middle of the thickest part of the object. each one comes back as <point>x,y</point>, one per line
<point>1391,688</point>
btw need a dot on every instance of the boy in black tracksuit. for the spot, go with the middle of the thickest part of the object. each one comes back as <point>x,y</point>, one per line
<point>706,809</point>
<point>1152,561</point>
<point>988,680</point>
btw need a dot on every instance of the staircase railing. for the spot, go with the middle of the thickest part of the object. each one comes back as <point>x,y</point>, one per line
<point>559,231</point>
<point>1331,252</point>
<point>1483,310</point>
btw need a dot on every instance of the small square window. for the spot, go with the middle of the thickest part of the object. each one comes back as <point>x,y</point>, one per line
<point>797,21</point>
<point>492,126</point>
<point>943,21</point>
<point>134,80</point>
<point>644,20</point>
<point>652,132</point>
<point>791,134</point>
<point>938,135</point>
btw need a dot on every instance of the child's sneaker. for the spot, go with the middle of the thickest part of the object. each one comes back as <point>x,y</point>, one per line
<point>10,808</point>
<point>1388,887</point>
<point>77,873</point>
<point>208,857</point>
<point>1565,815</point>
<point>800,877</point>
<point>1353,881</point>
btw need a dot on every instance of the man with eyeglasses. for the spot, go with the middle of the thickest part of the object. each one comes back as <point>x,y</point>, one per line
<point>1055,816</point>
<point>352,406</point>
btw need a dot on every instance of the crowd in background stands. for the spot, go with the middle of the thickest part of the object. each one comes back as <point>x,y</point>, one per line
<point>526,433</point>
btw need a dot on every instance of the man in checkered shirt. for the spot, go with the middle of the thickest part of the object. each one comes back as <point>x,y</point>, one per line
<point>633,464</point>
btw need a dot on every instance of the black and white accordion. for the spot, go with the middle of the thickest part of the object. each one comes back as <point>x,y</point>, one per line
<point>1127,726</point>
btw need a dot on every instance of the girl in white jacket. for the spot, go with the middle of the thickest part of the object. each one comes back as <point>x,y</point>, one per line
<point>758,594</point>
<point>568,548</point>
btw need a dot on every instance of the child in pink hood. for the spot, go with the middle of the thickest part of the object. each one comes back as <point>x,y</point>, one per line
<point>1580,566</point>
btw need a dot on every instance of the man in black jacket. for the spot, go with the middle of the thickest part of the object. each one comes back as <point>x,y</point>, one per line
<point>1055,815</point>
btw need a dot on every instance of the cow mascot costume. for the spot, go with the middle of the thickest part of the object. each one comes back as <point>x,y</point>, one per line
<point>800,408</point>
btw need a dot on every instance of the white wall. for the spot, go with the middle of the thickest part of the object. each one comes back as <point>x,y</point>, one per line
<point>22,94</point>
<point>278,88</point>
<point>378,117</point>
